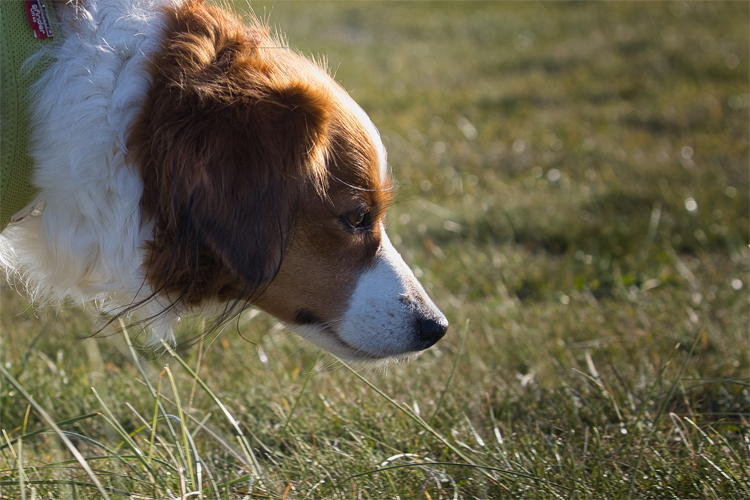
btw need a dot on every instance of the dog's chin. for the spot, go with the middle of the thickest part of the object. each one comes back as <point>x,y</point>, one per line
<point>377,360</point>
<point>328,340</point>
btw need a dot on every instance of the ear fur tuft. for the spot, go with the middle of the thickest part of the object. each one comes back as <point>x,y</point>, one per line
<point>227,146</point>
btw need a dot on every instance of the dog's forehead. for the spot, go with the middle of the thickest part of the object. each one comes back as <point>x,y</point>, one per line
<point>374,134</point>
<point>357,114</point>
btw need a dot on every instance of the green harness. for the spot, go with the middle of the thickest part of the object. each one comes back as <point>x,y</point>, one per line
<point>18,42</point>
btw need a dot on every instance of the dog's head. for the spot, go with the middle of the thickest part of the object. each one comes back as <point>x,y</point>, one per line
<point>266,183</point>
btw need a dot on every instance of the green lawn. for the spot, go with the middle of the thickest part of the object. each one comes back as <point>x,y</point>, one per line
<point>573,192</point>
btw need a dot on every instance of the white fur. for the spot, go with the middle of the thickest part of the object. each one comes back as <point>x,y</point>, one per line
<point>374,134</point>
<point>379,321</point>
<point>86,244</point>
<point>370,127</point>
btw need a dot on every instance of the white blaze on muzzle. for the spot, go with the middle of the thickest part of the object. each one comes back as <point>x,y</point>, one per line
<point>389,312</point>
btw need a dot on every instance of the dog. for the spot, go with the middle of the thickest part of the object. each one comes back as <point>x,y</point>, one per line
<point>187,162</point>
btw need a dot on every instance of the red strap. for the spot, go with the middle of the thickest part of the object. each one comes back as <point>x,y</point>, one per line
<point>38,19</point>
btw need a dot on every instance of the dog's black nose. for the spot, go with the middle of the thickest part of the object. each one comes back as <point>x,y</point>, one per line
<point>431,330</point>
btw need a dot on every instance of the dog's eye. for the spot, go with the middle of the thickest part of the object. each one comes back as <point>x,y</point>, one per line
<point>357,219</point>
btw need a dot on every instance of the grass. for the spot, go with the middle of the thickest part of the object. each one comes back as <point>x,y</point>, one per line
<point>573,192</point>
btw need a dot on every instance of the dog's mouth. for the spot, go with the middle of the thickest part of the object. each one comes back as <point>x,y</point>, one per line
<point>326,337</point>
<point>358,353</point>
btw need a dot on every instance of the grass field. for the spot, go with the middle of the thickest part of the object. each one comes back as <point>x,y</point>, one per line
<point>573,192</point>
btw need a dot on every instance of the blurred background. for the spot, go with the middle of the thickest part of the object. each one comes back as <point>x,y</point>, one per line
<point>573,193</point>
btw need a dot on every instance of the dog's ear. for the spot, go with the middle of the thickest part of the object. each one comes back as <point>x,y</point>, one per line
<point>255,163</point>
<point>233,143</point>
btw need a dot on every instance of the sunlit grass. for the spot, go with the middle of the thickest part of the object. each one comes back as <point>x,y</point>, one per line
<point>573,192</point>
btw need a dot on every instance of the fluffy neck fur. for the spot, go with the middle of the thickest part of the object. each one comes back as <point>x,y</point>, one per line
<point>87,241</point>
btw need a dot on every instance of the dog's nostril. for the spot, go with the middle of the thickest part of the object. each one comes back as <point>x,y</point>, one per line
<point>431,330</point>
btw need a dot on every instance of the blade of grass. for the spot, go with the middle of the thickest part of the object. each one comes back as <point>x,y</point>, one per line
<point>644,405</point>
<point>733,455</point>
<point>134,354</point>
<point>157,400</point>
<point>211,479</point>
<point>301,392</point>
<point>198,364</point>
<point>151,428</point>
<point>66,482</point>
<point>453,370</point>
<point>409,413</point>
<point>450,378</point>
<point>201,425</point>
<point>49,421</point>
<point>47,429</point>
<point>21,472</point>
<point>662,409</point>
<point>457,464</point>
<point>112,421</point>
<point>8,444</point>
<point>183,427</point>
<point>111,453</point>
<point>252,462</point>
<point>108,456</point>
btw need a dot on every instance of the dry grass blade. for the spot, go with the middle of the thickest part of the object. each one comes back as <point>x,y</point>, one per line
<point>662,409</point>
<point>301,392</point>
<point>47,429</point>
<point>124,435</point>
<point>49,421</point>
<point>190,453</point>
<point>252,462</point>
<point>409,413</point>
<point>154,394</point>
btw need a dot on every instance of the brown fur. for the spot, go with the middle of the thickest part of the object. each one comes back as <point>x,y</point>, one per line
<point>249,159</point>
